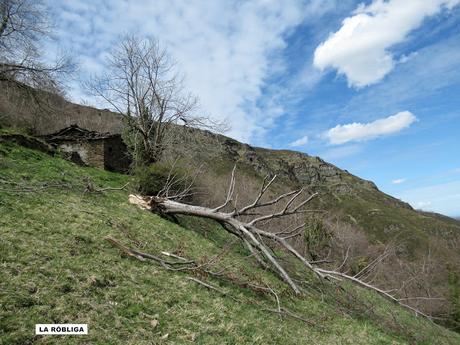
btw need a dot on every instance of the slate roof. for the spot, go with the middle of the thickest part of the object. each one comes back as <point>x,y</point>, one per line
<point>76,133</point>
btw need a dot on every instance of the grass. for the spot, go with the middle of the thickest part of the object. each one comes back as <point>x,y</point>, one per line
<point>57,268</point>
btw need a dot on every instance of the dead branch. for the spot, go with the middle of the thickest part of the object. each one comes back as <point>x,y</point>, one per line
<point>179,187</point>
<point>285,312</point>
<point>91,188</point>
<point>193,266</point>
<point>231,190</point>
<point>253,236</point>
<point>280,311</point>
<point>182,265</point>
<point>369,267</point>
<point>101,190</point>
<point>344,260</point>
<point>206,285</point>
<point>334,274</point>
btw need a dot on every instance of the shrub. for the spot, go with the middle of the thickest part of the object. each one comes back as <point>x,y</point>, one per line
<point>317,237</point>
<point>151,180</point>
<point>454,300</point>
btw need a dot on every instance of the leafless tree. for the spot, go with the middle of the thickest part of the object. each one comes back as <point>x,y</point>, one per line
<point>24,26</point>
<point>247,223</point>
<point>23,23</point>
<point>141,83</point>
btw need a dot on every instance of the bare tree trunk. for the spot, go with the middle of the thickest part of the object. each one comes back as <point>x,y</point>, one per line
<point>252,236</point>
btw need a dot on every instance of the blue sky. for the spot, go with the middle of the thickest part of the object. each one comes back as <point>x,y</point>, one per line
<point>370,86</point>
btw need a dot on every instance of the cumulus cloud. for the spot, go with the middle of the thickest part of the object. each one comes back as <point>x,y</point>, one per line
<point>300,142</point>
<point>398,181</point>
<point>359,49</point>
<point>356,131</point>
<point>227,49</point>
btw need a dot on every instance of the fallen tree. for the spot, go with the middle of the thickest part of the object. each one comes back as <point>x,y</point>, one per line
<point>244,223</point>
<point>182,264</point>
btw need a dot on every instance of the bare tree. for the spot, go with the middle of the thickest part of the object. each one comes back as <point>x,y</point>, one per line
<point>247,223</point>
<point>141,83</point>
<point>24,25</point>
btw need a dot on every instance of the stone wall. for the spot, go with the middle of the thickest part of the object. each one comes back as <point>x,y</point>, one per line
<point>116,156</point>
<point>90,152</point>
<point>109,153</point>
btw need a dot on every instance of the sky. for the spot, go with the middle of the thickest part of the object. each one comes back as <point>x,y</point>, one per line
<point>370,86</point>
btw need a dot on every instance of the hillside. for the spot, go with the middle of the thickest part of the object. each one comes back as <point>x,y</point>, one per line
<point>56,267</point>
<point>41,112</point>
<point>360,222</point>
<point>357,201</point>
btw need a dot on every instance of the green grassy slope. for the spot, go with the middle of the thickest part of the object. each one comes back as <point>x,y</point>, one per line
<point>57,268</point>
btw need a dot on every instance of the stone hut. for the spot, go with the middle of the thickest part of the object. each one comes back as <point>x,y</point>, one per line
<point>91,148</point>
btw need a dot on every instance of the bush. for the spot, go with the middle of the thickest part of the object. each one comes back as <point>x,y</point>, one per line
<point>317,237</point>
<point>454,300</point>
<point>152,179</point>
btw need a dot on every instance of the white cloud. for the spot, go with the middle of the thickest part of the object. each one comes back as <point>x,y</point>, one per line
<point>432,73</point>
<point>443,198</point>
<point>359,49</point>
<point>227,50</point>
<point>341,134</point>
<point>423,204</point>
<point>398,181</point>
<point>300,142</point>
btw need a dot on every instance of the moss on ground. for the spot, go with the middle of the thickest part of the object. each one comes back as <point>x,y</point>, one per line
<point>57,268</point>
